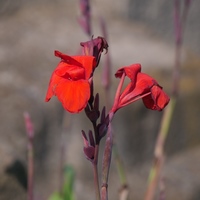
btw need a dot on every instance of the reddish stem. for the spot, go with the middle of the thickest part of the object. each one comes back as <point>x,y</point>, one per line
<point>117,95</point>
<point>107,160</point>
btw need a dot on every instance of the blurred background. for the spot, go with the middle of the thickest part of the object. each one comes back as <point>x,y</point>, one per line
<point>138,31</point>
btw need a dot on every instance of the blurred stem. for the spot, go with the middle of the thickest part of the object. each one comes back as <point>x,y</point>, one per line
<point>30,169</point>
<point>106,81</point>
<point>124,190</point>
<point>120,167</point>
<point>176,71</point>
<point>178,45</point>
<point>159,154</point>
<point>106,73</point>
<point>180,22</point>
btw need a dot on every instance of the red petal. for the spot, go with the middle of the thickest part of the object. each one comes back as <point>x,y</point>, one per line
<point>69,71</point>
<point>74,95</point>
<point>160,96</point>
<point>149,102</point>
<point>68,59</point>
<point>144,83</point>
<point>157,100</point>
<point>131,71</point>
<point>88,63</point>
<point>54,81</point>
<point>129,88</point>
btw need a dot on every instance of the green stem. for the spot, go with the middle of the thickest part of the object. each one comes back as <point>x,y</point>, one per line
<point>159,155</point>
<point>123,190</point>
<point>168,112</point>
<point>120,167</point>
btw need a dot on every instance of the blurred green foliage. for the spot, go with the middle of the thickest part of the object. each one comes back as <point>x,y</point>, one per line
<point>67,191</point>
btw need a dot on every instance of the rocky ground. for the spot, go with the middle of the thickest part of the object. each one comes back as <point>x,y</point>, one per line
<point>29,34</point>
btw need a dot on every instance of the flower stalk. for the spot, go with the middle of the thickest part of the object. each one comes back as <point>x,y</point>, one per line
<point>124,189</point>
<point>159,150</point>
<point>107,159</point>
<point>106,82</point>
<point>154,175</point>
<point>85,18</point>
<point>95,172</point>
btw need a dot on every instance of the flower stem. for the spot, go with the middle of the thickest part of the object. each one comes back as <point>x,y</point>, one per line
<point>117,94</point>
<point>107,160</point>
<point>106,75</point>
<point>106,80</point>
<point>168,112</point>
<point>119,164</point>
<point>95,161</point>
<point>159,154</point>
<point>124,190</point>
<point>95,172</point>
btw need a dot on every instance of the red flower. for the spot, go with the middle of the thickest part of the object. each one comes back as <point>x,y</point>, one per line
<point>70,81</point>
<point>141,86</point>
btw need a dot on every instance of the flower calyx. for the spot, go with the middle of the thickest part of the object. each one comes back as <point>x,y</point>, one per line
<point>95,47</point>
<point>89,145</point>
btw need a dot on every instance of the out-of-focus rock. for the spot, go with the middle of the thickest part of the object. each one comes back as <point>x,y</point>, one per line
<point>10,188</point>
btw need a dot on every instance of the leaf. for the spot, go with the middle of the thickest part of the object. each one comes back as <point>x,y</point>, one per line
<point>68,187</point>
<point>55,196</point>
<point>67,192</point>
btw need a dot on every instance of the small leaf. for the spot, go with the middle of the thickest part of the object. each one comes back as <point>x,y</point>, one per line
<point>91,138</point>
<point>68,188</point>
<point>103,114</point>
<point>89,152</point>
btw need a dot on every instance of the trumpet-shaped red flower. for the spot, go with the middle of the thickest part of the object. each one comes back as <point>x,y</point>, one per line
<point>70,81</point>
<point>142,86</point>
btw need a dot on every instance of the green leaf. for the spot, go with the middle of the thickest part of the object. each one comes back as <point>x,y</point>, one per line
<point>67,192</point>
<point>68,187</point>
<point>55,196</point>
